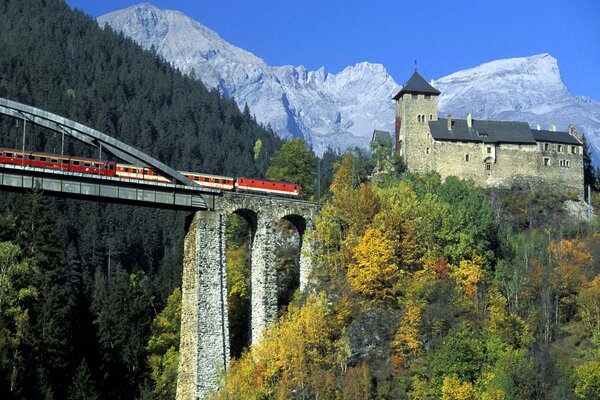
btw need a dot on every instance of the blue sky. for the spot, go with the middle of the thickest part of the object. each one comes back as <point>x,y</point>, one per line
<point>443,36</point>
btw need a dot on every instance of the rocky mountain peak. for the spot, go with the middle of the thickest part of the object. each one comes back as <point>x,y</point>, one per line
<point>341,110</point>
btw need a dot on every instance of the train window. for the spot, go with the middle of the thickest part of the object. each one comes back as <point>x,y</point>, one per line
<point>54,160</point>
<point>206,179</point>
<point>42,158</point>
<point>9,154</point>
<point>75,162</point>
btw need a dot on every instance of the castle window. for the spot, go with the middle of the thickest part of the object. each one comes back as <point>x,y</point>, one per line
<point>427,150</point>
<point>560,148</point>
<point>427,97</point>
<point>489,150</point>
<point>546,161</point>
<point>488,165</point>
<point>573,150</point>
<point>431,117</point>
<point>466,158</point>
<point>418,118</point>
<point>546,146</point>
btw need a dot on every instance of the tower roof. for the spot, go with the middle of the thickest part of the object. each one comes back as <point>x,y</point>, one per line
<point>417,85</point>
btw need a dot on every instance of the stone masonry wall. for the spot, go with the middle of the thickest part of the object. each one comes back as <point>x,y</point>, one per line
<point>512,165</point>
<point>204,343</point>
<point>415,135</point>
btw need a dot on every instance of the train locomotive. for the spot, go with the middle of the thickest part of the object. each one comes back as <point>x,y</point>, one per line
<point>125,171</point>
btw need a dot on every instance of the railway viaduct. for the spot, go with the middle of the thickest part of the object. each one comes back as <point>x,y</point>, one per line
<point>204,346</point>
<point>204,343</point>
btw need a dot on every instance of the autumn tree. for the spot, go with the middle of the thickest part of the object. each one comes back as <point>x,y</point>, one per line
<point>374,271</point>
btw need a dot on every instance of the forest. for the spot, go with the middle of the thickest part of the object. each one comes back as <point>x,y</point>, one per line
<point>426,289</point>
<point>422,289</point>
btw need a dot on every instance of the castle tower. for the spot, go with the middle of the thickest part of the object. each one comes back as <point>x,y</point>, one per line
<point>416,105</point>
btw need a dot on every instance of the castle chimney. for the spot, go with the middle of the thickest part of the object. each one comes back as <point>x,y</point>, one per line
<point>553,128</point>
<point>432,83</point>
<point>573,132</point>
<point>469,120</point>
<point>538,126</point>
<point>449,122</point>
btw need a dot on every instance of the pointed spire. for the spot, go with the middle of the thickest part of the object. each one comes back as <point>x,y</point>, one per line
<point>417,85</point>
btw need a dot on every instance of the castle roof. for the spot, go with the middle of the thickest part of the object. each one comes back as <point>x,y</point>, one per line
<point>417,85</point>
<point>554,137</point>
<point>484,131</point>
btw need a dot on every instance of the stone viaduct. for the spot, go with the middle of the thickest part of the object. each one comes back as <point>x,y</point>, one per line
<point>204,345</point>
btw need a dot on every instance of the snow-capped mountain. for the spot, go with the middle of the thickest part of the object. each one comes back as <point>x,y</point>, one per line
<point>341,110</point>
<point>521,89</point>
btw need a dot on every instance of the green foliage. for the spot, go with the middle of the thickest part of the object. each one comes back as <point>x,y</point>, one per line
<point>82,387</point>
<point>587,377</point>
<point>294,162</point>
<point>163,348</point>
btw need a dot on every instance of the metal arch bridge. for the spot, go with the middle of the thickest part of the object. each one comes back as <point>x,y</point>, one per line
<point>181,194</point>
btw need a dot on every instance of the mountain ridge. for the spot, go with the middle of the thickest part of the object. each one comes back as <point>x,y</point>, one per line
<point>342,110</point>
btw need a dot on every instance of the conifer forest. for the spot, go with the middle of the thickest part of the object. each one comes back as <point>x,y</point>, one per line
<point>421,288</point>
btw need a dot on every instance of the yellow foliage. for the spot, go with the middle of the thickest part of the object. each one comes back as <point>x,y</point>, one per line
<point>407,341</point>
<point>373,273</point>
<point>454,389</point>
<point>469,274</point>
<point>298,355</point>
<point>588,301</point>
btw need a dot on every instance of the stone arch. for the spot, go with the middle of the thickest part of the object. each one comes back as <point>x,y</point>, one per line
<point>303,222</point>
<point>239,271</point>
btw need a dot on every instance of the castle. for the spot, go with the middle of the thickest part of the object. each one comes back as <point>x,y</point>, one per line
<point>502,154</point>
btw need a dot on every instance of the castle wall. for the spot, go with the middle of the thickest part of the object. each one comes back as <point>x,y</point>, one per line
<point>512,165</point>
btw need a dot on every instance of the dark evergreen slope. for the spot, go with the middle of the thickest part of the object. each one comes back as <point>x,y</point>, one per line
<point>61,61</point>
<point>99,273</point>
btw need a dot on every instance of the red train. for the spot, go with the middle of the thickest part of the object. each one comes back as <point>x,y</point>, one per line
<point>109,168</point>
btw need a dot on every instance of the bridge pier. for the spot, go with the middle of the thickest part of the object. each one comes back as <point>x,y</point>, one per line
<point>204,343</point>
<point>263,278</point>
<point>306,250</point>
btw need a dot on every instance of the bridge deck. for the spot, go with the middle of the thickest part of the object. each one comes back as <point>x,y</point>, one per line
<point>113,189</point>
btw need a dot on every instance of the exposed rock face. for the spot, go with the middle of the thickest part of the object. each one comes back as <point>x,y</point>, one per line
<point>341,110</point>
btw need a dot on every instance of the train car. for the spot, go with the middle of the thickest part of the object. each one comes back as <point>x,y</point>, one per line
<point>15,157</point>
<point>264,186</point>
<point>133,172</point>
<point>211,181</point>
<point>90,166</point>
<point>55,161</point>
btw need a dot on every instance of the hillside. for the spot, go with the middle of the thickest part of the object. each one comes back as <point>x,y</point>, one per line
<point>79,292</point>
<point>341,110</point>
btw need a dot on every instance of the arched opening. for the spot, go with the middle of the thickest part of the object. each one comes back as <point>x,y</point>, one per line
<point>288,251</point>
<point>240,228</point>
